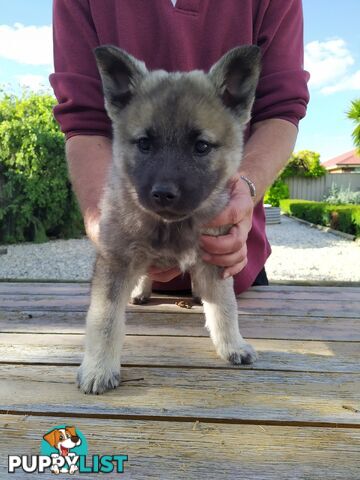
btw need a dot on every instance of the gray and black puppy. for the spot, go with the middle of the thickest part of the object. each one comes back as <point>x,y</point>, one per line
<point>177,140</point>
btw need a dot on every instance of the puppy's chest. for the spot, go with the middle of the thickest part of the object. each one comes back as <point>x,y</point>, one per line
<point>174,243</point>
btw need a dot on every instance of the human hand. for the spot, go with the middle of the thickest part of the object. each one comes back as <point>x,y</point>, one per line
<point>161,275</point>
<point>230,251</point>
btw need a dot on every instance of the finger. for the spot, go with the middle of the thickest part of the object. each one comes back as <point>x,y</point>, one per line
<point>235,269</point>
<point>237,209</point>
<point>229,216</point>
<point>223,244</point>
<point>226,260</point>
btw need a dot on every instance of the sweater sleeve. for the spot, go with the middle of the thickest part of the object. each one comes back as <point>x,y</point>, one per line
<point>76,82</point>
<point>282,91</point>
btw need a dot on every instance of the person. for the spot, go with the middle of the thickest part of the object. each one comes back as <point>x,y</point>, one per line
<point>182,36</point>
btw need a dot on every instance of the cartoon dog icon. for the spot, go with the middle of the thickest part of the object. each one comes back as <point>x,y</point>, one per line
<point>63,439</point>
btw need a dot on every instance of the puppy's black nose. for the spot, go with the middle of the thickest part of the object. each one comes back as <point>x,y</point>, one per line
<point>164,194</point>
<point>75,439</point>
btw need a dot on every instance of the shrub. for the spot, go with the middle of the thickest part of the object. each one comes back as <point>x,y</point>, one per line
<point>36,200</point>
<point>276,192</point>
<point>342,196</point>
<point>303,164</point>
<point>345,218</point>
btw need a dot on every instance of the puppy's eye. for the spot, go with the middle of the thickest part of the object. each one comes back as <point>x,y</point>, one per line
<point>202,148</point>
<point>144,144</point>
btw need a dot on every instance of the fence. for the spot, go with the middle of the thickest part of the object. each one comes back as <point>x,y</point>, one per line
<point>317,188</point>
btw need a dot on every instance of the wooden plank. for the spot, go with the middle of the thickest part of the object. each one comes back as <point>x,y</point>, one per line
<point>153,323</point>
<point>177,351</point>
<point>178,450</point>
<point>264,306</point>
<point>234,395</point>
<point>51,288</point>
<point>278,291</point>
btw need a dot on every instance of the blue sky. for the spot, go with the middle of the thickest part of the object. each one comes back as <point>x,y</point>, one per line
<point>332,54</point>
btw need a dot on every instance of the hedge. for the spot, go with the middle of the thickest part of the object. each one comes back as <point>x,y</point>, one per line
<point>345,218</point>
<point>36,200</point>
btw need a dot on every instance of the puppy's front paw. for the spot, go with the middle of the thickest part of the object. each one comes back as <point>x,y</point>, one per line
<point>197,300</point>
<point>237,353</point>
<point>97,378</point>
<point>140,299</point>
<point>243,355</point>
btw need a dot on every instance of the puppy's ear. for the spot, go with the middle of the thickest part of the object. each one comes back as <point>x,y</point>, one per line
<point>51,438</point>
<point>71,430</point>
<point>120,73</point>
<point>235,77</point>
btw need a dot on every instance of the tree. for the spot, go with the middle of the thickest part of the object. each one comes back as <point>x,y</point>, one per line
<point>303,164</point>
<point>354,114</point>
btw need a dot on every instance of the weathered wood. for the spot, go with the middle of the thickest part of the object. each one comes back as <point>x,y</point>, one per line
<point>154,323</point>
<point>173,450</point>
<point>333,308</point>
<point>236,395</point>
<point>273,421</point>
<point>83,288</point>
<point>282,355</point>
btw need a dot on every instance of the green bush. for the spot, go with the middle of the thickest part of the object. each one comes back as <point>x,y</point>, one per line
<point>345,218</point>
<point>36,201</point>
<point>276,192</point>
<point>303,164</point>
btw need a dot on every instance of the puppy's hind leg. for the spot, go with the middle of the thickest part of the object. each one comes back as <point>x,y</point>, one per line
<point>142,292</point>
<point>221,315</point>
<point>105,327</point>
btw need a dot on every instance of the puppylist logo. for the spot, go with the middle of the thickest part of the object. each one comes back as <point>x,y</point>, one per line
<point>64,450</point>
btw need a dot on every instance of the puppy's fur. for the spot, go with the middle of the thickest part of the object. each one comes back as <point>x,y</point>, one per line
<point>177,140</point>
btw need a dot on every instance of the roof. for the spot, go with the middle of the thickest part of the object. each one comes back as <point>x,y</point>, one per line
<point>348,158</point>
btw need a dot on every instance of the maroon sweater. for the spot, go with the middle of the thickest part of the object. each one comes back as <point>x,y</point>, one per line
<point>193,35</point>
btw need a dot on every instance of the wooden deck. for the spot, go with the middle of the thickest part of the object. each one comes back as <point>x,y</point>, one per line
<point>181,412</point>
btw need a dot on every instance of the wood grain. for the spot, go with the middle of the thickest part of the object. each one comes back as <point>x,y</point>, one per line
<point>236,395</point>
<point>153,323</point>
<point>181,412</point>
<point>272,291</point>
<point>178,351</point>
<point>250,306</point>
<point>177,450</point>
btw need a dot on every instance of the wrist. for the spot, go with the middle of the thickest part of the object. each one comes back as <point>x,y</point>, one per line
<point>250,184</point>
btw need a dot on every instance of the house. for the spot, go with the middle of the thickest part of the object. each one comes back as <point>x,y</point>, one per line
<point>348,162</point>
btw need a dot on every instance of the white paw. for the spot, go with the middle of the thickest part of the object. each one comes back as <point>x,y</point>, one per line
<point>140,299</point>
<point>92,378</point>
<point>241,354</point>
<point>73,469</point>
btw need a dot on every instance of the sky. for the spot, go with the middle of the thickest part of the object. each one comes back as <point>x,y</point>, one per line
<point>332,56</point>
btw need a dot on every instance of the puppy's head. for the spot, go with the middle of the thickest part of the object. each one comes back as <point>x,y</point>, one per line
<point>178,137</point>
<point>63,439</point>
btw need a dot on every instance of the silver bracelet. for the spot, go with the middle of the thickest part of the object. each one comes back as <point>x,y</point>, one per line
<point>251,185</point>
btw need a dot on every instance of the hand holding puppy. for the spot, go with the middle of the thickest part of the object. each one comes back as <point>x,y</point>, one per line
<point>230,250</point>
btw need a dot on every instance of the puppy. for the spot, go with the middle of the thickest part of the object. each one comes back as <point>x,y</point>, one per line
<point>63,439</point>
<point>177,140</point>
